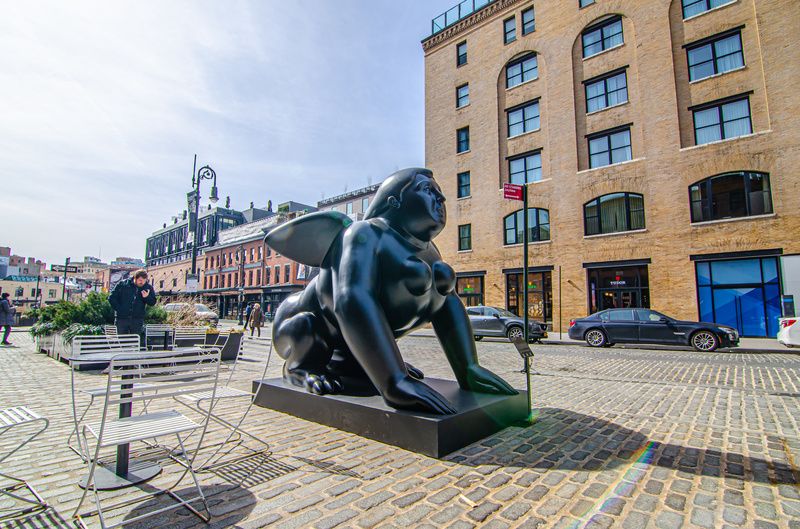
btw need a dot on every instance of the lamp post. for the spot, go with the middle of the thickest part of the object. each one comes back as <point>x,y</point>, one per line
<point>240,257</point>
<point>205,173</point>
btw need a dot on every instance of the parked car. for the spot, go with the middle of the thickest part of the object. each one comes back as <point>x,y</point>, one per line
<point>789,335</point>
<point>607,327</point>
<point>202,312</point>
<point>492,321</point>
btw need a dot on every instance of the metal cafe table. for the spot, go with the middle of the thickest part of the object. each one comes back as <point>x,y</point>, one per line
<point>126,472</point>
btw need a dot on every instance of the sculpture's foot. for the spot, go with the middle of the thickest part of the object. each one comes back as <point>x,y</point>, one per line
<point>318,382</point>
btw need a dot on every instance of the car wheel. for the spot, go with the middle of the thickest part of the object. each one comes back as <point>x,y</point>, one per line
<point>705,341</point>
<point>478,338</point>
<point>515,333</point>
<point>595,338</point>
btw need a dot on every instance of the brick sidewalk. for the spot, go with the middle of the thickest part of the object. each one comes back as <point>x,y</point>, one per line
<point>623,438</point>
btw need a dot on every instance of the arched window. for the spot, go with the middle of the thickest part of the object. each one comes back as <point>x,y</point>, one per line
<point>730,195</point>
<point>538,226</point>
<point>613,213</point>
<point>522,69</point>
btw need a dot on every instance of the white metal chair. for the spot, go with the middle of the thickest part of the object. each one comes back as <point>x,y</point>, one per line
<point>193,335</point>
<point>173,375</point>
<point>12,418</point>
<point>158,333</point>
<point>252,352</point>
<point>96,351</point>
<point>110,330</point>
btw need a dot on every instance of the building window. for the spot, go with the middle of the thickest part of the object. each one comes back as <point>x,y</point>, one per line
<point>464,237</point>
<point>258,276</point>
<point>695,7</point>
<point>463,185</point>
<point>174,282</point>
<point>260,250</point>
<point>250,278</point>
<point>349,208</point>
<point>287,272</point>
<point>523,69</point>
<point>538,226</point>
<point>742,293</point>
<point>525,168</point>
<point>731,195</point>
<point>161,284</point>
<point>461,53</point>
<point>522,119</point>
<point>613,213</point>
<point>462,96</point>
<point>602,36</point>
<point>266,275</point>
<point>713,56</point>
<point>528,21</point>
<point>610,147</point>
<point>584,3</point>
<point>509,30</point>
<point>619,287</point>
<point>462,140</point>
<point>205,282</point>
<point>364,204</point>
<point>470,290</point>
<point>539,289</point>
<point>277,274</point>
<point>720,121</point>
<point>51,293</point>
<point>606,92</point>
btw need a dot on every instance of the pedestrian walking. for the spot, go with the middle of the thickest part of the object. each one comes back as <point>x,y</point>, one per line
<point>247,311</point>
<point>129,300</point>
<point>7,312</point>
<point>256,319</point>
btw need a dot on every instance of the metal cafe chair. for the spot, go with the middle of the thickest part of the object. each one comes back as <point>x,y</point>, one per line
<point>110,330</point>
<point>251,351</point>
<point>174,375</point>
<point>95,351</point>
<point>11,418</point>
<point>158,334</point>
<point>194,335</point>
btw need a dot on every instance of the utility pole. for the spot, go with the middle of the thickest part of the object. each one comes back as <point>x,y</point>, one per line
<point>64,290</point>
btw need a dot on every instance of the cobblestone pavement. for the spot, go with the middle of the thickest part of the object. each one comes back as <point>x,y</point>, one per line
<point>622,438</point>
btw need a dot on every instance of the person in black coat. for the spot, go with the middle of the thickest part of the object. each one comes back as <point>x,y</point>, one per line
<point>129,299</point>
<point>7,311</point>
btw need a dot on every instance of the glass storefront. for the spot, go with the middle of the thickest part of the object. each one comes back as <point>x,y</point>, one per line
<point>540,295</point>
<point>470,290</point>
<point>618,287</point>
<point>742,293</point>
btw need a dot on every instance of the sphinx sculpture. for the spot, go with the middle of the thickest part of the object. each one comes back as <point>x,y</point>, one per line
<point>379,278</point>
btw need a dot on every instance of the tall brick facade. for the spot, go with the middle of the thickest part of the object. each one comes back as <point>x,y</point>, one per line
<point>664,263</point>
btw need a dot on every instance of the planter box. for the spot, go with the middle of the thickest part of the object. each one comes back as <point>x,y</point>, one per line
<point>231,346</point>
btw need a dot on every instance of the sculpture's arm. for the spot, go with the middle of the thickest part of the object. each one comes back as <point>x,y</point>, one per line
<point>365,328</point>
<point>454,331</point>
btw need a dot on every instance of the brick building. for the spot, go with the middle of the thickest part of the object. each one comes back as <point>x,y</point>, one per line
<point>240,263</point>
<point>658,142</point>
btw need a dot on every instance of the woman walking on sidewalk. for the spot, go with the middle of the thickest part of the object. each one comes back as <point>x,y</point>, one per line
<point>7,311</point>
<point>256,319</point>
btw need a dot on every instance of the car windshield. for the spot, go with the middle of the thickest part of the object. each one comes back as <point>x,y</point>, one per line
<point>199,307</point>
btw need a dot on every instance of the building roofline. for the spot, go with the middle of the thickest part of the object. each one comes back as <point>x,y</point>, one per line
<point>487,11</point>
<point>351,194</point>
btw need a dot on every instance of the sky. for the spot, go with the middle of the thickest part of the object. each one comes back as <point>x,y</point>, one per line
<point>104,105</point>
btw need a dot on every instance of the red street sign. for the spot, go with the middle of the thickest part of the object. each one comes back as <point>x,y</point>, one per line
<point>512,191</point>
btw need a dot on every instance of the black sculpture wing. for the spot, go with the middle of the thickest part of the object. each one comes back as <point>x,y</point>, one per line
<point>308,239</point>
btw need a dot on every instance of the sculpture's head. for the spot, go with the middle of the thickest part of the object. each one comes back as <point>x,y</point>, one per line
<point>411,201</point>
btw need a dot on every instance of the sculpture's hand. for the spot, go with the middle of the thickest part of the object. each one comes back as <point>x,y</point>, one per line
<point>414,372</point>
<point>409,393</point>
<point>482,380</point>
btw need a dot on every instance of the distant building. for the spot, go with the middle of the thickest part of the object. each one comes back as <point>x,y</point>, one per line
<point>16,265</point>
<point>89,266</point>
<point>127,261</point>
<point>353,203</point>
<point>240,263</point>
<point>23,293</point>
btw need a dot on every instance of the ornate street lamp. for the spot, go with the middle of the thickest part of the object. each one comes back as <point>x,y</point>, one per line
<point>205,173</point>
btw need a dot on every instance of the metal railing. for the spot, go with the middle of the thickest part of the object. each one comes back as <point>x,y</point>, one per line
<point>456,13</point>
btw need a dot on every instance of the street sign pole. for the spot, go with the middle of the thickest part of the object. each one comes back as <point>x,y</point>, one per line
<point>64,290</point>
<point>520,192</point>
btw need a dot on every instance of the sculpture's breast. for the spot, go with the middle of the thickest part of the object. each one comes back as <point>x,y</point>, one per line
<point>444,277</point>
<point>416,276</point>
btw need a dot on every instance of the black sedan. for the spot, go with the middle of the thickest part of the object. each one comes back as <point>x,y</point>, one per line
<point>491,321</point>
<point>607,327</point>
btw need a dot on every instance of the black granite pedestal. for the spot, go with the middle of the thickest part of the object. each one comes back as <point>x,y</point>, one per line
<point>479,415</point>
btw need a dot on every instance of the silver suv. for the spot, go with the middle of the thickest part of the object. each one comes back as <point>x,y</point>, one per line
<point>492,321</point>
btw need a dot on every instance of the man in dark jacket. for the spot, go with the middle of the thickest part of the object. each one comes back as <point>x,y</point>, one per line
<point>129,299</point>
<point>7,311</point>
